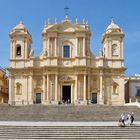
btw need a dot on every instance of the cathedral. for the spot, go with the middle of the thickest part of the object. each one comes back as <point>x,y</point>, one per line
<point>66,71</point>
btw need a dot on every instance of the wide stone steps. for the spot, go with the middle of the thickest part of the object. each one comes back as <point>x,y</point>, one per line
<point>69,132</point>
<point>66,113</point>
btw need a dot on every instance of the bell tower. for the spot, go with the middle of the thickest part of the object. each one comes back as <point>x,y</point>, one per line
<point>20,42</point>
<point>112,41</point>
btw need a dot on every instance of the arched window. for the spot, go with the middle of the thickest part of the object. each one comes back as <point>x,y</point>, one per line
<point>18,88</point>
<point>18,50</point>
<point>66,51</point>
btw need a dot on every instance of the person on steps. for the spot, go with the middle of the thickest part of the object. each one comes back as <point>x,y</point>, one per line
<point>129,118</point>
<point>132,118</point>
<point>122,120</point>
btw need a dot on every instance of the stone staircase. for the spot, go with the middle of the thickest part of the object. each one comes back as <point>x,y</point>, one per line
<point>66,113</point>
<point>70,132</point>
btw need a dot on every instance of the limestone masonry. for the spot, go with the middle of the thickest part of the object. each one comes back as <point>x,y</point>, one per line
<point>66,71</point>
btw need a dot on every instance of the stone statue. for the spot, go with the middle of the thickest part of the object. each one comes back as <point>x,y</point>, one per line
<point>31,53</point>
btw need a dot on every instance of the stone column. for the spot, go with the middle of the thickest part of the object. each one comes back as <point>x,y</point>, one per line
<point>76,87</point>
<point>12,93</point>
<point>30,99</point>
<point>11,52</point>
<point>48,100</point>
<point>44,88</point>
<point>72,98</point>
<point>101,89</point>
<point>121,49</point>
<point>84,88</point>
<point>14,49</point>
<point>23,54</point>
<point>26,50</point>
<point>55,40</point>
<point>89,98</point>
<point>10,90</point>
<point>84,46</point>
<point>56,88</point>
<point>76,54</point>
<point>48,46</point>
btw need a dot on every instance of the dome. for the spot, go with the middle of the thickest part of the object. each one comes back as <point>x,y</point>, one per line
<point>20,29</point>
<point>20,26</point>
<point>113,26</point>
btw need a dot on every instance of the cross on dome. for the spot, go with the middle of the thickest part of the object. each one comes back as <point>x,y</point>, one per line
<point>66,12</point>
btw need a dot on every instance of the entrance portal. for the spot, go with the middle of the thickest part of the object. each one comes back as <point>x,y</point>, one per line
<point>38,98</point>
<point>94,98</point>
<point>66,94</point>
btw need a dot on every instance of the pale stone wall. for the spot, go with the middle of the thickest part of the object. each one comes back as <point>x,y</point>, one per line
<point>43,78</point>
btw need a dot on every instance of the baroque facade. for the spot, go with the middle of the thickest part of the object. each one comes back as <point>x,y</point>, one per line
<point>66,70</point>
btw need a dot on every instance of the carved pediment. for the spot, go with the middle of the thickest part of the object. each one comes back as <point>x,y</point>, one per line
<point>66,26</point>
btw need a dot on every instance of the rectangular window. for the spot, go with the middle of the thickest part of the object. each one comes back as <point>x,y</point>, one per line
<point>66,51</point>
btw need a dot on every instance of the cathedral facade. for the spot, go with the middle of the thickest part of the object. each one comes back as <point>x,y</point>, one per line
<point>66,71</point>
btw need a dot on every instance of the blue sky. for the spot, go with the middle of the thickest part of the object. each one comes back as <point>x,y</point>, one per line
<point>97,12</point>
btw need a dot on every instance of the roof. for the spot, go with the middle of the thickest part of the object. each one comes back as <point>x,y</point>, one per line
<point>113,25</point>
<point>66,26</point>
<point>20,29</point>
<point>20,26</point>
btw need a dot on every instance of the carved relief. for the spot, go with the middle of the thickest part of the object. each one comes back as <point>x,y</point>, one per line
<point>65,78</point>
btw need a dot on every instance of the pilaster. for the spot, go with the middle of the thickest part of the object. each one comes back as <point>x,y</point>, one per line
<point>76,87</point>
<point>55,40</point>
<point>30,99</point>
<point>56,88</point>
<point>84,46</point>
<point>48,92</point>
<point>48,46</point>
<point>84,88</point>
<point>44,87</point>
<point>101,89</point>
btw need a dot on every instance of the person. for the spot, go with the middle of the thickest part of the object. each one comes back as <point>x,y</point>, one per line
<point>132,118</point>
<point>122,120</point>
<point>129,118</point>
<point>68,101</point>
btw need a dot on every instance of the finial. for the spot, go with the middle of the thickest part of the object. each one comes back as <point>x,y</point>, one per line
<point>112,20</point>
<point>66,17</point>
<point>55,20</point>
<point>76,21</point>
<point>83,20</point>
<point>21,22</point>
<point>48,21</point>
